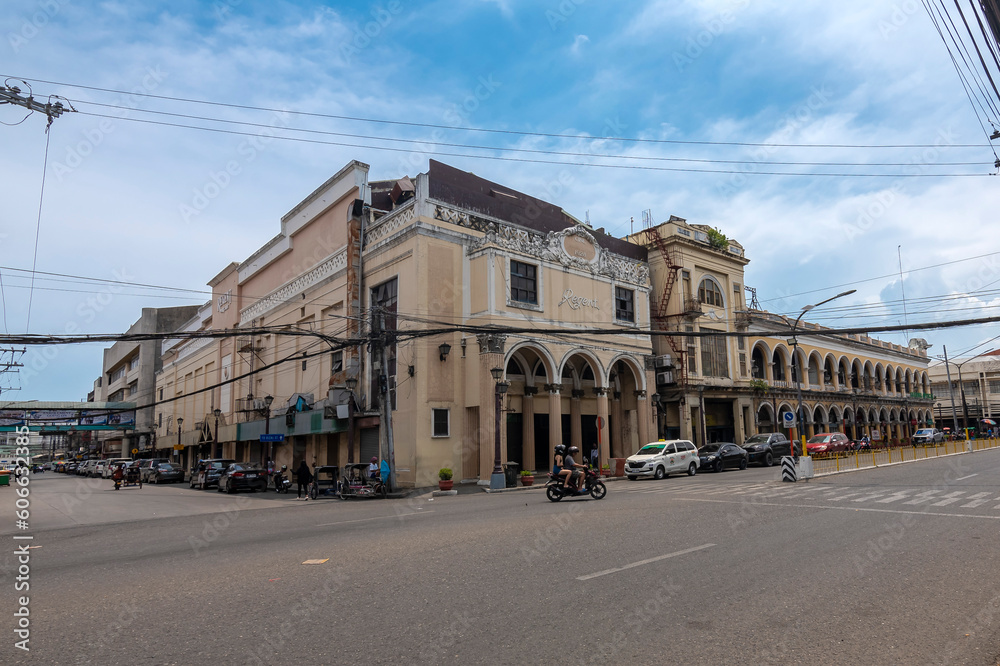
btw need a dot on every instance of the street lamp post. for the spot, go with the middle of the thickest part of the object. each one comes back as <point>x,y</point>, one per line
<point>351,383</point>
<point>497,478</point>
<point>215,439</point>
<point>800,423</point>
<point>267,424</point>
<point>180,421</point>
<point>961,387</point>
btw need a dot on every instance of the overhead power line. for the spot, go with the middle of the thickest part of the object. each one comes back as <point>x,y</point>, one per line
<point>555,135</point>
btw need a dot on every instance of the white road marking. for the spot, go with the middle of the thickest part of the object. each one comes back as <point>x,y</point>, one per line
<point>837,499</point>
<point>895,497</point>
<point>961,478</point>
<point>925,496</point>
<point>847,508</point>
<point>365,520</point>
<point>870,496</point>
<point>649,561</point>
<point>976,501</point>
<point>950,498</point>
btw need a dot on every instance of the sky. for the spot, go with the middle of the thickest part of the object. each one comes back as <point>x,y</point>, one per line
<point>129,200</point>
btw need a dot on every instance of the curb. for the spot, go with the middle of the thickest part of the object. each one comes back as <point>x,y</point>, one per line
<point>892,464</point>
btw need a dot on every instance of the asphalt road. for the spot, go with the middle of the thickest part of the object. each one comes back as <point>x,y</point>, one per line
<point>891,566</point>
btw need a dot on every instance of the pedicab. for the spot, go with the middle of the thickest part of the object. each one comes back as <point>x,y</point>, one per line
<point>357,483</point>
<point>132,475</point>
<point>325,483</point>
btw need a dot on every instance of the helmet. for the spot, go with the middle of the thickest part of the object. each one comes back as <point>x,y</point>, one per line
<point>284,467</point>
<point>574,449</point>
<point>560,449</point>
<point>374,459</point>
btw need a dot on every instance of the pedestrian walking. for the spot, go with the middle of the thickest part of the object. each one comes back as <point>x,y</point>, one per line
<point>303,476</point>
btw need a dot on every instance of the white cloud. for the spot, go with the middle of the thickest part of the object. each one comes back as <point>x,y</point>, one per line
<point>578,43</point>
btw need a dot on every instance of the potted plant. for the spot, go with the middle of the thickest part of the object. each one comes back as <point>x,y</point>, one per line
<point>444,476</point>
<point>606,471</point>
<point>527,477</point>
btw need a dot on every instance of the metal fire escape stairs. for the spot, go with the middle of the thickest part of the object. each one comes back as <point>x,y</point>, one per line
<point>660,313</point>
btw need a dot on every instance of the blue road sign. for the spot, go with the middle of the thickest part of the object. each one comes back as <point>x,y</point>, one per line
<point>279,437</point>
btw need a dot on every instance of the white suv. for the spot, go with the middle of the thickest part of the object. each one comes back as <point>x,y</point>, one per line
<point>658,459</point>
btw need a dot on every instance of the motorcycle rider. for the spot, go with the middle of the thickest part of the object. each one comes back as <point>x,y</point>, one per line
<point>558,470</point>
<point>569,464</point>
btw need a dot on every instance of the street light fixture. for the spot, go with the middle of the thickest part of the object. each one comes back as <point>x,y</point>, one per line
<point>351,383</point>
<point>180,421</point>
<point>497,478</point>
<point>215,440</point>
<point>800,423</point>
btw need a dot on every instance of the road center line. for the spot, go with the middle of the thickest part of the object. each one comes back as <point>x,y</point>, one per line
<point>642,562</point>
<point>967,477</point>
<point>365,520</point>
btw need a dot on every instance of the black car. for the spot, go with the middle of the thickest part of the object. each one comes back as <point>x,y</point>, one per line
<point>719,455</point>
<point>766,447</point>
<point>243,476</point>
<point>207,472</point>
<point>164,473</point>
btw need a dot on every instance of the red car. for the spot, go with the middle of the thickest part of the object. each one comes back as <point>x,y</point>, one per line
<point>828,442</point>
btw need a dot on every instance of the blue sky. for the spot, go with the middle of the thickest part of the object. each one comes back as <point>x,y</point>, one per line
<point>122,198</point>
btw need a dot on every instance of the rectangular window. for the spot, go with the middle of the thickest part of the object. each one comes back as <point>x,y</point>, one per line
<point>304,364</point>
<point>159,420</point>
<point>134,362</point>
<point>336,362</point>
<point>741,342</point>
<point>624,304</point>
<point>117,374</point>
<point>743,364</point>
<point>994,386</point>
<point>523,282</point>
<point>692,351</point>
<point>440,423</point>
<point>133,388</point>
<point>714,360</point>
<point>161,394</point>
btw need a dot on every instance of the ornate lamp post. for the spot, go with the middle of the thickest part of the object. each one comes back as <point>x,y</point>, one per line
<point>497,478</point>
<point>180,421</point>
<point>267,424</point>
<point>351,383</point>
<point>800,423</point>
<point>217,450</point>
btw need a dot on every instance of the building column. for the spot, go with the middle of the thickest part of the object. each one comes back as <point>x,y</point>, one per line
<point>688,424</point>
<point>575,426</point>
<point>555,420</point>
<point>602,417</point>
<point>644,418</point>
<point>618,432</point>
<point>528,426</point>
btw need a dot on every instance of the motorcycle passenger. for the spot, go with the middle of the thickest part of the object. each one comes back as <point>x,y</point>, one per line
<point>557,461</point>
<point>571,465</point>
<point>118,475</point>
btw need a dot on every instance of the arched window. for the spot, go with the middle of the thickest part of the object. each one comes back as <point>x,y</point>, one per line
<point>709,293</point>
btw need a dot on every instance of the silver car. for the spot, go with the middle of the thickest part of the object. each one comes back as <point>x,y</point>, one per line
<point>928,436</point>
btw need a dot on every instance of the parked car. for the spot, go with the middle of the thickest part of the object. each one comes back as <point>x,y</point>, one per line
<point>84,468</point>
<point>927,436</point>
<point>766,447</point>
<point>243,476</point>
<point>149,465</point>
<point>164,472</point>
<point>720,455</point>
<point>71,467</point>
<point>659,459</point>
<point>828,442</point>
<point>207,472</point>
<point>110,464</point>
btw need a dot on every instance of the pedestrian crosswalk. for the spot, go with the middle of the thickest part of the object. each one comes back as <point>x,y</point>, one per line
<point>905,498</point>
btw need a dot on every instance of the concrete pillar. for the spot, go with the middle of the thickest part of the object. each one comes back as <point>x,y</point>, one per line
<point>555,420</point>
<point>688,401</point>
<point>602,417</point>
<point>618,416</point>
<point>528,421</point>
<point>575,426</point>
<point>644,417</point>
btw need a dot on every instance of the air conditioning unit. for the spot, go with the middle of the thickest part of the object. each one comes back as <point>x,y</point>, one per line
<point>664,378</point>
<point>664,361</point>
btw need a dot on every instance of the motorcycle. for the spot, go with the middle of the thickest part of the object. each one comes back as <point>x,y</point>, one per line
<point>281,482</point>
<point>591,485</point>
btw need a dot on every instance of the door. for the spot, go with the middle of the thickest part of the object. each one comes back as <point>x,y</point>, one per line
<point>369,444</point>
<point>670,457</point>
<point>542,449</point>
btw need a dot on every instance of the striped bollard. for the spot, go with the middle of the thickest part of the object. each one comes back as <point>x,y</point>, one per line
<point>788,469</point>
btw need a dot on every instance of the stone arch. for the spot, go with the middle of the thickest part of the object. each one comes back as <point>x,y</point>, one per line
<point>819,418</point>
<point>869,376</point>
<point>780,366</point>
<point>857,374</point>
<point>844,373</point>
<point>637,371</point>
<point>879,376</point>
<point>890,379</point>
<point>830,371</point>
<point>815,369</point>
<point>908,382</point>
<point>766,421</point>
<point>708,295</point>
<point>587,357</point>
<point>530,355</point>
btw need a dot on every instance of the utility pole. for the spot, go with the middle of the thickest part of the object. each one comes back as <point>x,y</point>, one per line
<point>12,95</point>
<point>951,392</point>
<point>380,338</point>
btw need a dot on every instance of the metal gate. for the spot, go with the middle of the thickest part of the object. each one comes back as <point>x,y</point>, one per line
<point>369,444</point>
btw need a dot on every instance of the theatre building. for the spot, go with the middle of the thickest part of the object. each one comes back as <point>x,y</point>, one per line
<point>469,276</point>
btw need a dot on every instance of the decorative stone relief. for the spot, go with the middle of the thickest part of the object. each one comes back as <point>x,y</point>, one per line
<point>335,263</point>
<point>389,224</point>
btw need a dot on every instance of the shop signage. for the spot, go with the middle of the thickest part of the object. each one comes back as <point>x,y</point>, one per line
<point>577,302</point>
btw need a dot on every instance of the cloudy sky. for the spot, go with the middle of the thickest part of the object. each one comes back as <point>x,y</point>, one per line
<point>130,200</point>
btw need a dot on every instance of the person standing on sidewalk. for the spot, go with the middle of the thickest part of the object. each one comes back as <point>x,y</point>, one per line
<point>303,476</point>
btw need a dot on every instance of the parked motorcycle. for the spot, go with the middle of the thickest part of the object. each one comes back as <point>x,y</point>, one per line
<point>592,485</point>
<point>281,482</point>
